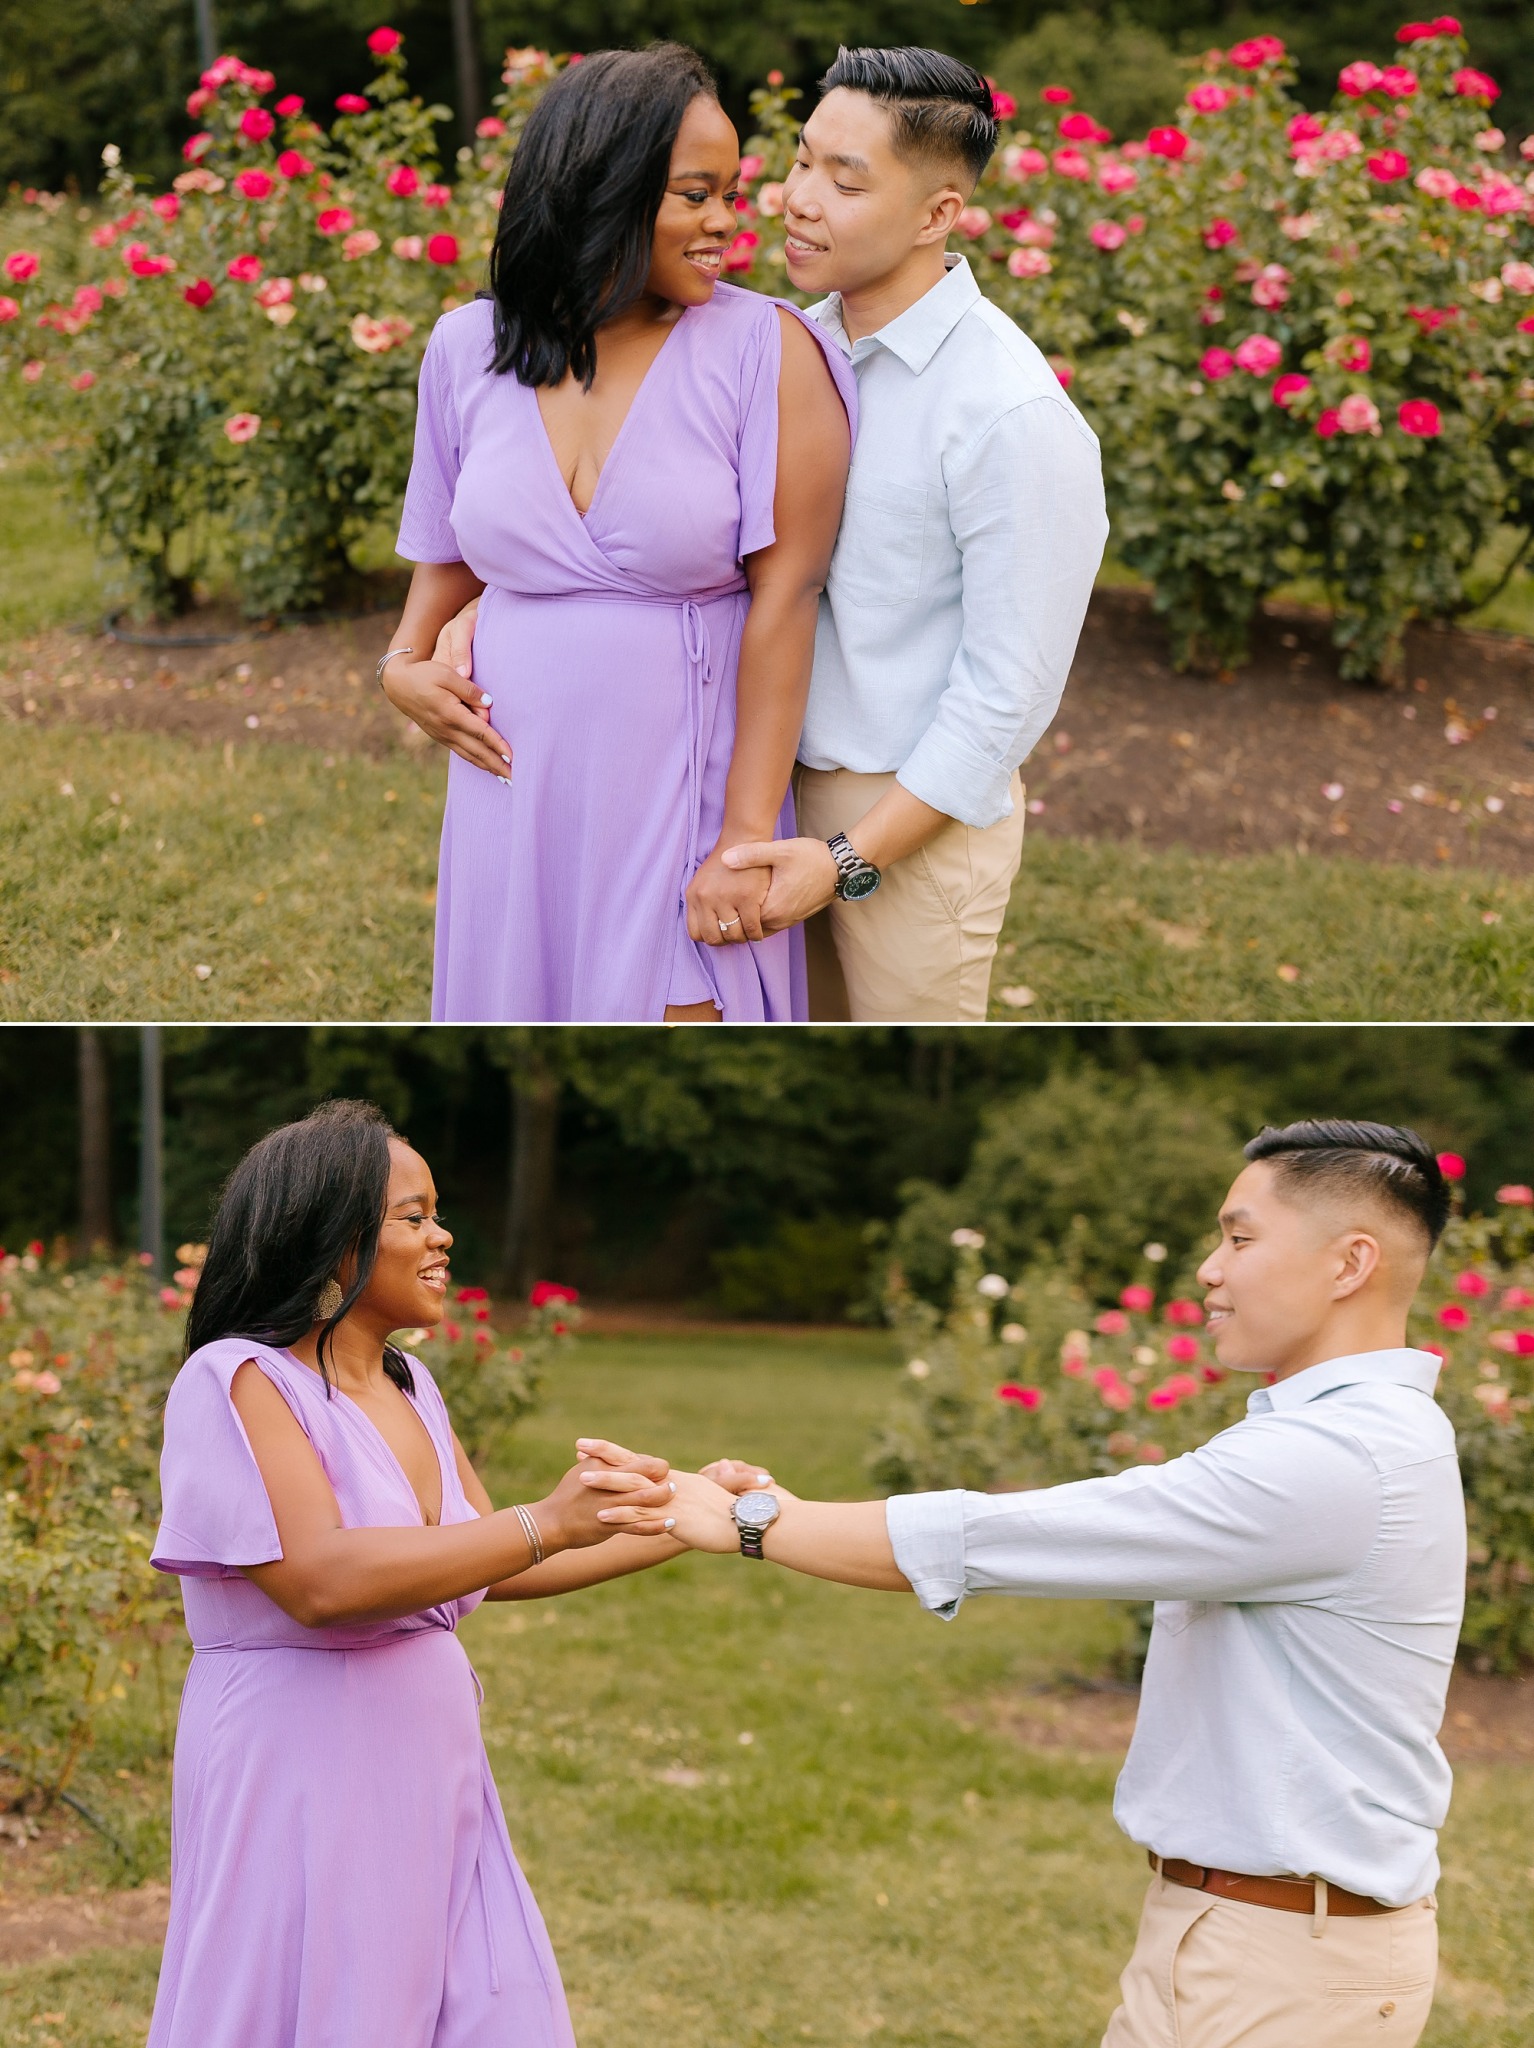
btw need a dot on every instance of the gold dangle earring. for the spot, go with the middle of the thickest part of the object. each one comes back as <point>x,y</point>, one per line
<point>330,1300</point>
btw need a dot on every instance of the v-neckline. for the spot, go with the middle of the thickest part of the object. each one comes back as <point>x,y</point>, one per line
<point>388,1449</point>
<point>617,440</point>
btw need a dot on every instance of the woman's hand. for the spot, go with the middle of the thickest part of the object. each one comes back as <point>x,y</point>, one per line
<point>724,905</point>
<point>452,711</point>
<point>455,643</point>
<point>738,1476</point>
<point>697,1514</point>
<point>579,1512</point>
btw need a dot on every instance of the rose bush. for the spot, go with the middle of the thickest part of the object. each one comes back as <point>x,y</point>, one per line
<point>1027,1383</point>
<point>87,1355</point>
<point>1306,339</point>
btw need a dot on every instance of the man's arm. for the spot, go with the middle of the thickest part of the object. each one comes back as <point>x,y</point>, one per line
<point>1026,507</point>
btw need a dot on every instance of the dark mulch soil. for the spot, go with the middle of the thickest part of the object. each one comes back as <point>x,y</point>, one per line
<point>1138,751</point>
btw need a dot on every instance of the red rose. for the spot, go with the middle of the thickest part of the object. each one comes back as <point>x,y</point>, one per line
<point>383,42</point>
<point>334,220</point>
<point>1078,128</point>
<point>245,269</point>
<point>403,180</point>
<point>1475,85</point>
<point>292,165</point>
<point>351,103</point>
<point>550,1290</point>
<point>1167,142</point>
<point>1453,1317</point>
<point>1288,387</point>
<point>1389,165</point>
<point>254,185</point>
<point>1020,1397</point>
<point>442,249</point>
<point>290,106</point>
<point>256,124</point>
<point>1420,417</point>
<point>436,195</point>
<point>1450,1164</point>
<point>1329,423</point>
<point>1219,233</point>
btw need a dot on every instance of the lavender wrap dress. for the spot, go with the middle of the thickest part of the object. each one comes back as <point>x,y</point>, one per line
<point>341,1875</point>
<point>609,643</point>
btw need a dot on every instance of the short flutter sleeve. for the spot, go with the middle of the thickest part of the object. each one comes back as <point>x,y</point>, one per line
<point>426,526</point>
<point>215,1515</point>
<point>760,368</point>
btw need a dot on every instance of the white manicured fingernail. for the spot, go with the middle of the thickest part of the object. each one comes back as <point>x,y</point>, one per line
<point>673,1486</point>
<point>762,1478</point>
<point>671,1521</point>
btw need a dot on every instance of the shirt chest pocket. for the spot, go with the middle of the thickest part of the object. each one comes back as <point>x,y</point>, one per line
<point>878,558</point>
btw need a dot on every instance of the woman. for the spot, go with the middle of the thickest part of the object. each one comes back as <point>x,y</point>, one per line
<point>341,1872</point>
<point>642,470</point>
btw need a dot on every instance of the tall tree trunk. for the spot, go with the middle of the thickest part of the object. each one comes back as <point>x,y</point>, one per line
<point>95,1145</point>
<point>466,64</point>
<point>151,1149</point>
<point>530,1194</point>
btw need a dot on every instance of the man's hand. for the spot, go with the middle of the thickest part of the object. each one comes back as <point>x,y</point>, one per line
<point>448,709</point>
<point>731,896</point>
<point>455,643</point>
<point>804,878</point>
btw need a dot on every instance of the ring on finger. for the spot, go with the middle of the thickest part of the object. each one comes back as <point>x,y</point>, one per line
<point>726,926</point>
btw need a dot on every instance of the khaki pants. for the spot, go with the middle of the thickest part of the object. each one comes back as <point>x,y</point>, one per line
<point>1213,1973</point>
<point>920,948</point>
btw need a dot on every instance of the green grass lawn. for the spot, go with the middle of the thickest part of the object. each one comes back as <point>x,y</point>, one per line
<point>865,1868</point>
<point>322,909</point>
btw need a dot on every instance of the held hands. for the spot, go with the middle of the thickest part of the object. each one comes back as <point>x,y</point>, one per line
<point>727,894</point>
<point>698,1511</point>
<point>578,1512</point>
<point>455,643</point>
<point>449,709</point>
<point>802,872</point>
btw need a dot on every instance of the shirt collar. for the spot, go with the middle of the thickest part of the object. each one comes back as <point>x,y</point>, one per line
<point>1402,1368</point>
<point>915,335</point>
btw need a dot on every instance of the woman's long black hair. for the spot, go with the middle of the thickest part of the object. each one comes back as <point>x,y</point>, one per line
<point>298,1204</point>
<point>572,248</point>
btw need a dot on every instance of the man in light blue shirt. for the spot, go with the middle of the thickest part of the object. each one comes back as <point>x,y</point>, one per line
<point>973,528</point>
<point>1308,1571</point>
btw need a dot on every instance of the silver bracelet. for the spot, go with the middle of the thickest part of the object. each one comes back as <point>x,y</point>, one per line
<point>384,661</point>
<point>530,1531</point>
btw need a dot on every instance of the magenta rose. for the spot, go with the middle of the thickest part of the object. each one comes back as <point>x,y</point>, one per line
<point>1419,417</point>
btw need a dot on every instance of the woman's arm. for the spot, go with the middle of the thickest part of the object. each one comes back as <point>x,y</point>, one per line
<point>847,1541</point>
<point>448,707</point>
<point>572,1569</point>
<point>329,1576</point>
<point>778,642</point>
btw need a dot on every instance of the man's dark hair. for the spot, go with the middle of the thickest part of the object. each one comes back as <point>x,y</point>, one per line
<point>1333,1155</point>
<point>572,245</point>
<point>299,1203</point>
<point>940,110</point>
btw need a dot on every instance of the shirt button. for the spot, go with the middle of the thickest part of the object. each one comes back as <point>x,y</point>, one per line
<point>1387,2008</point>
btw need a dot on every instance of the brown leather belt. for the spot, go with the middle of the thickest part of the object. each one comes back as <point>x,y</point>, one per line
<point>1283,1894</point>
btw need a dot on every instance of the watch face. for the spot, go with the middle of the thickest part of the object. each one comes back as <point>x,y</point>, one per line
<point>756,1510</point>
<point>862,882</point>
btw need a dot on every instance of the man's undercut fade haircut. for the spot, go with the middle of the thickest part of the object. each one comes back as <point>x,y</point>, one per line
<point>1332,1156</point>
<point>941,111</point>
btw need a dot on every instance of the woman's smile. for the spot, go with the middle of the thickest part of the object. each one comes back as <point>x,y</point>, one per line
<point>706,260</point>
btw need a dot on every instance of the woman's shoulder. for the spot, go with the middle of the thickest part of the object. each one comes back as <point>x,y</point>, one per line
<point>214,1365</point>
<point>465,337</point>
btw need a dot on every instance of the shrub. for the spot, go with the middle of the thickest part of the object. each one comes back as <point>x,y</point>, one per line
<point>489,1385</point>
<point>810,1269</point>
<point>1095,1161</point>
<point>1029,1384</point>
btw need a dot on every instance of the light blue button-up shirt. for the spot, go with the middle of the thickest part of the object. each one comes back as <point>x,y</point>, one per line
<point>973,529</point>
<point>1308,1570</point>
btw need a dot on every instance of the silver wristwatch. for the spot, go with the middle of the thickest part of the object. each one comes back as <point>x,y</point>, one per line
<point>856,877</point>
<point>754,1514</point>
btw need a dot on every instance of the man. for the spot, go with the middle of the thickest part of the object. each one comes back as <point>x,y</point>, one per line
<point>973,529</point>
<point>1308,1573</point>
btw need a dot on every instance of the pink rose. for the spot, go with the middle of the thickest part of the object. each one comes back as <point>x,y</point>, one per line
<point>1474,1286</point>
<point>1107,235</point>
<point>20,265</point>
<point>1220,233</point>
<point>1056,95</point>
<point>1216,363</point>
<point>384,41</point>
<point>243,426</point>
<point>769,200</point>
<point>1186,1313</point>
<point>492,125</point>
<point>1255,52</point>
<point>1003,106</point>
<point>46,1383</point>
<point>1515,1196</point>
<point>751,167</point>
<point>1388,166</point>
<point>444,249</point>
<point>1358,415</point>
<point>256,124</point>
<point>292,165</point>
<point>1450,1164</point>
<point>1136,1299</point>
<point>1475,85</point>
<point>351,103</point>
<point>1162,1397</point>
<point>1167,142</point>
<point>254,185</point>
<point>1288,387</point>
<point>973,222</point>
<point>87,300</point>
<point>1111,1323</point>
<point>1029,263</point>
<point>403,180</point>
<point>1453,1317</point>
<point>1021,162</point>
<point>361,242</point>
<point>9,310</point>
<point>1306,128</point>
<point>197,103</point>
<point>1063,372</point>
<point>1020,1397</point>
<point>198,293</point>
<point>83,381</point>
<point>245,269</point>
<point>1519,277</point>
<point>1329,423</point>
<point>277,291</point>
<point>1351,352</point>
<point>1398,81</point>
<point>1182,1350</point>
<point>1518,1297</point>
<point>290,106</point>
<point>1271,285</point>
<point>1070,163</point>
<point>1080,128</point>
<point>408,248</point>
<point>1209,98</point>
<point>151,266</point>
<point>1436,182</point>
<point>335,220</point>
<point>167,206</point>
<point>437,195</point>
<point>30,372</point>
<point>1360,78</point>
<point>1420,417</point>
<point>1114,176</point>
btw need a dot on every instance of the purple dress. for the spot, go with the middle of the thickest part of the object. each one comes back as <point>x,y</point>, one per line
<point>609,644</point>
<point>341,1875</point>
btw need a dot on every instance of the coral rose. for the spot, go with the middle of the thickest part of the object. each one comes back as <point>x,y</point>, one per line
<point>361,242</point>
<point>1420,417</point>
<point>243,426</point>
<point>1516,1196</point>
<point>1029,263</point>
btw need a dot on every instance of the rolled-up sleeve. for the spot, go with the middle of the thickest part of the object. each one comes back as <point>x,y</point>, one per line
<point>1028,515</point>
<point>1265,1511</point>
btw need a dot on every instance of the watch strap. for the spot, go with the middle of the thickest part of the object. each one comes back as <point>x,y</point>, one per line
<point>751,1542</point>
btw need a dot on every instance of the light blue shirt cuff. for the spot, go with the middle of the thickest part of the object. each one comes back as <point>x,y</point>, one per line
<point>957,779</point>
<point>926,1532</point>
